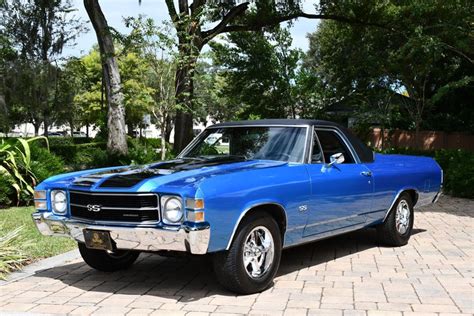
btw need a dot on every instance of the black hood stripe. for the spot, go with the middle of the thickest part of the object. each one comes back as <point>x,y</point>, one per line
<point>129,179</point>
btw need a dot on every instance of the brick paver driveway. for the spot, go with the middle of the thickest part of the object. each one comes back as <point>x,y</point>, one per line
<point>347,275</point>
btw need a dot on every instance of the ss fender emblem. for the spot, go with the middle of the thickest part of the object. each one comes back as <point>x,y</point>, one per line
<point>303,208</point>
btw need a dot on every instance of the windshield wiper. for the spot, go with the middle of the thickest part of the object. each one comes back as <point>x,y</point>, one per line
<point>194,158</point>
<point>223,157</point>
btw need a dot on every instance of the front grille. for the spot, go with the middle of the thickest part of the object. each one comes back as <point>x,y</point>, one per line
<point>120,207</point>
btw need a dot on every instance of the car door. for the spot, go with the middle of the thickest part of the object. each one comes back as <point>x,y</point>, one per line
<point>341,193</point>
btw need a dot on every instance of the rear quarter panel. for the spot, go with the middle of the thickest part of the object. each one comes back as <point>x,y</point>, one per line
<point>393,174</point>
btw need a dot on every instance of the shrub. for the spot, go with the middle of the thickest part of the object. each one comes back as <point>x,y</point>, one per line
<point>15,161</point>
<point>140,152</point>
<point>89,156</point>
<point>7,193</point>
<point>11,257</point>
<point>458,166</point>
<point>45,164</point>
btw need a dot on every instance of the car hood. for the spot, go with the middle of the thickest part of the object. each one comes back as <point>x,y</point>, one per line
<point>178,173</point>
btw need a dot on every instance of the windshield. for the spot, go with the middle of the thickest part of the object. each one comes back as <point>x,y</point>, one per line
<point>257,142</point>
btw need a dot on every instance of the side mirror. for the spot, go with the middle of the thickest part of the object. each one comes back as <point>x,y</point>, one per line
<point>336,159</point>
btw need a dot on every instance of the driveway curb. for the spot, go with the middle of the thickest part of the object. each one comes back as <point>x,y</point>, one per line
<point>43,264</point>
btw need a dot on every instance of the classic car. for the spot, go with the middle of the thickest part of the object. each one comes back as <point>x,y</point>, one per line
<point>271,185</point>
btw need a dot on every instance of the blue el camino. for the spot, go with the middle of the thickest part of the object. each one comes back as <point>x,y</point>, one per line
<point>241,192</point>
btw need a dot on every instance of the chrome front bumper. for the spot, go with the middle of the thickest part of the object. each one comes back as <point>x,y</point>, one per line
<point>194,240</point>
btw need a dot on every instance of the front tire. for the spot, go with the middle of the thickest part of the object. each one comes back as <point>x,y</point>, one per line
<point>103,260</point>
<point>252,261</point>
<point>396,230</point>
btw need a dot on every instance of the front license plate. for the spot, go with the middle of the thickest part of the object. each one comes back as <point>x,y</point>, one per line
<point>98,239</point>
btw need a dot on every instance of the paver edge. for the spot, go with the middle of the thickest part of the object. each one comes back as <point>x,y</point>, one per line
<point>43,264</point>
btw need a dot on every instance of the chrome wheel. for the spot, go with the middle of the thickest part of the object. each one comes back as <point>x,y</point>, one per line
<point>259,251</point>
<point>402,217</point>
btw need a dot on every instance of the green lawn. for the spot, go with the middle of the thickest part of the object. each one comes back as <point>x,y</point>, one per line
<point>30,242</point>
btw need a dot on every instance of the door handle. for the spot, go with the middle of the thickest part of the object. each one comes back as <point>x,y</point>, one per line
<point>366,173</point>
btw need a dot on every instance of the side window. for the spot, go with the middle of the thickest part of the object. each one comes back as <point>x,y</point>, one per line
<point>317,154</point>
<point>331,144</point>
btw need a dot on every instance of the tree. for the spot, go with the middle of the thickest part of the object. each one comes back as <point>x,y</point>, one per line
<point>226,17</point>
<point>38,31</point>
<point>7,55</point>
<point>260,70</point>
<point>85,76</point>
<point>422,52</point>
<point>156,46</point>
<point>116,139</point>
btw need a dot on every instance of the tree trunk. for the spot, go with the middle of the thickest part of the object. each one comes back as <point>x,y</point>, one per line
<point>130,130</point>
<point>71,126</point>
<point>417,133</point>
<point>36,127</point>
<point>169,128</point>
<point>184,85</point>
<point>163,139</point>
<point>117,140</point>
<point>46,124</point>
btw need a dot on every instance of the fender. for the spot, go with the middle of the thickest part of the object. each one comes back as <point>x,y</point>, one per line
<point>245,211</point>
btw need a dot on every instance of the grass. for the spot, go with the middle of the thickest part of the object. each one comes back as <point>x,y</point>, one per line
<point>28,241</point>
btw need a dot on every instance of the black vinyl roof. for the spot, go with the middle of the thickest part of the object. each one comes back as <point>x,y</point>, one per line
<point>277,122</point>
<point>363,151</point>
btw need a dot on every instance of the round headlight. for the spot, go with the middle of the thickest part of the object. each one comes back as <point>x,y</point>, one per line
<point>172,210</point>
<point>59,201</point>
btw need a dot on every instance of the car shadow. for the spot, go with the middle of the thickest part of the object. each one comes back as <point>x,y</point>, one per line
<point>190,278</point>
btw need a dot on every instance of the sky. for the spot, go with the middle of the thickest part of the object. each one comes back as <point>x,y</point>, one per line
<point>115,10</point>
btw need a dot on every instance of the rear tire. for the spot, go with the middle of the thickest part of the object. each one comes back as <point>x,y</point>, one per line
<point>103,260</point>
<point>396,230</point>
<point>252,261</point>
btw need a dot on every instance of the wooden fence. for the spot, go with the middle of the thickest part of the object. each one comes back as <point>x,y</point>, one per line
<point>428,140</point>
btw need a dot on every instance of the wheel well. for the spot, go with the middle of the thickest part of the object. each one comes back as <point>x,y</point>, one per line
<point>413,194</point>
<point>274,210</point>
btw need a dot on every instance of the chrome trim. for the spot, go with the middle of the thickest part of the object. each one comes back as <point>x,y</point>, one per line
<point>436,198</point>
<point>186,149</point>
<point>311,145</point>
<point>332,220</point>
<point>344,139</point>
<point>319,144</point>
<point>188,239</point>
<point>108,193</point>
<point>245,212</point>
<point>120,208</point>
<point>163,200</point>
<point>54,191</point>
<point>328,234</point>
<point>145,223</point>
<point>115,223</point>
<point>191,143</point>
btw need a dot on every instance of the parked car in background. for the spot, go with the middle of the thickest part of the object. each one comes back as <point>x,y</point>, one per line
<point>79,134</point>
<point>56,134</point>
<point>274,184</point>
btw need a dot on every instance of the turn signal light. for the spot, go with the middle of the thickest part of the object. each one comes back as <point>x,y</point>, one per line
<point>40,195</point>
<point>40,205</point>
<point>195,216</point>
<point>195,204</point>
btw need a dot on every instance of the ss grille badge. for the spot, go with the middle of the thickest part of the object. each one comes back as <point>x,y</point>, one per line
<point>93,207</point>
